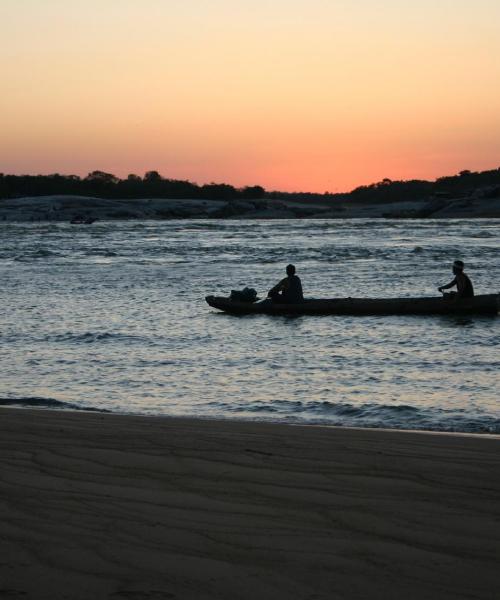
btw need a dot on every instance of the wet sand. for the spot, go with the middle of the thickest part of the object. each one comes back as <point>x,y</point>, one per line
<point>106,506</point>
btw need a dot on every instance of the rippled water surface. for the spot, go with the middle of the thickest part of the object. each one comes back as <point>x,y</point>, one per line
<point>112,317</point>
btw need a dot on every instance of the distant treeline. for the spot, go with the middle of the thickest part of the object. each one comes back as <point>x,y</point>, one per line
<point>153,185</point>
<point>452,186</point>
<point>106,185</point>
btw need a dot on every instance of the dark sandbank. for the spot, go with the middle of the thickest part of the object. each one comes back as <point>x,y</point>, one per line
<point>109,506</point>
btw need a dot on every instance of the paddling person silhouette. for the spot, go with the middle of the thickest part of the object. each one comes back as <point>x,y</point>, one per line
<point>462,281</point>
<point>288,290</point>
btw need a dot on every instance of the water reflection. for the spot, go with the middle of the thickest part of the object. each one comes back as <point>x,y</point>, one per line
<point>462,321</point>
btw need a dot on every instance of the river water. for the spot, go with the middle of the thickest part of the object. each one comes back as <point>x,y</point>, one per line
<point>112,317</point>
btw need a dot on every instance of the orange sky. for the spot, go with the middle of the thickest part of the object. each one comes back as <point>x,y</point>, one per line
<point>291,94</point>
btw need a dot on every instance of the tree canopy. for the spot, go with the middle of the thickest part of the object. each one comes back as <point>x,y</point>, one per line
<point>153,185</point>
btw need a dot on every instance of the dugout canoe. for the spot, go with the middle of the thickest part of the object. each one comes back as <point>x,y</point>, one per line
<point>487,304</point>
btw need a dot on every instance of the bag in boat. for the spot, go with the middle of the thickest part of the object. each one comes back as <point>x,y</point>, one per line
<point>245,295</point>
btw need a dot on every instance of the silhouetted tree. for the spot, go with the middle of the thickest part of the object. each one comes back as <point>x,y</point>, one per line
<point>218,191</point>
<point>152,176</point>
<point>100,177</point>
<point>253,192</point>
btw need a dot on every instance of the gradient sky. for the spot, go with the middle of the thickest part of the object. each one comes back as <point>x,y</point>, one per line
<point>291,94</point>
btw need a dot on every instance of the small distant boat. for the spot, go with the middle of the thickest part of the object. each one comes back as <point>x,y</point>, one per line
<point>82,221</point>
<point>487,304</point>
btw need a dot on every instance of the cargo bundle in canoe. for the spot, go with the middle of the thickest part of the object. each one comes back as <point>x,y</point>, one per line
<point>487,304</point>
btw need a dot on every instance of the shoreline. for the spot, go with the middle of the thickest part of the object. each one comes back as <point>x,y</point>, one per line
<point>102,505</point>
<point>219,419</point>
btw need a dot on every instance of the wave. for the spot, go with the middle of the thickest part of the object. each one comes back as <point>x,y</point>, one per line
<point>36,402</point>
<point>39,253</point>
<point>90,337</point>
<point>483,234</point>
<point>99,252</point>
<point>384,416</point>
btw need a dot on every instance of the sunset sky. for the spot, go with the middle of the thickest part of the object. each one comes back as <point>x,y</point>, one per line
<point>291,94</point>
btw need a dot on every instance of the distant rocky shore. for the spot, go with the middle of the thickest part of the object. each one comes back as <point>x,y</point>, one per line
<point>481,203</point>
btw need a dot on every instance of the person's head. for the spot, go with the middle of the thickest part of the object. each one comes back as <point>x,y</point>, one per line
<point>458,267</point>
<point>290,270</point>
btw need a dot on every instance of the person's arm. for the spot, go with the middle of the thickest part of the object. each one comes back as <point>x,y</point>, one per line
<point>446,287</point>
<point>278,287</point>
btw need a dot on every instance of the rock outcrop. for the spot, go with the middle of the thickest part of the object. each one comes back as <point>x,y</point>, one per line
<point>480,203</point>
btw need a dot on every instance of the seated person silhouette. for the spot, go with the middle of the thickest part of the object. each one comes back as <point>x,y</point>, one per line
<point>288,290</point>
<point>462,281</point>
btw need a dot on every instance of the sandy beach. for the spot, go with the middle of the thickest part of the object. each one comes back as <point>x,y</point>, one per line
<point>108,506</point>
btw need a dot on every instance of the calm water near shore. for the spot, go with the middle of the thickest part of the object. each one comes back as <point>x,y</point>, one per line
<point>112,317</point>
